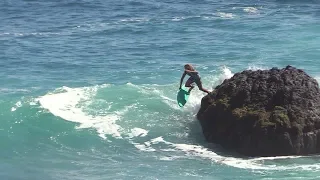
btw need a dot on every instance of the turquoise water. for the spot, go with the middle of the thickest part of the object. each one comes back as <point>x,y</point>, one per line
<point>88,88</point>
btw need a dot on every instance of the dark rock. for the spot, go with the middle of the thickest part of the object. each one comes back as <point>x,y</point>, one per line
<point>264,113</point>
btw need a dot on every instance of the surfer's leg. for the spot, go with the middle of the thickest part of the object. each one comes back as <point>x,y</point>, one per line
<point>190,89</point>
<point>189,84</point>
<point>199,84</point>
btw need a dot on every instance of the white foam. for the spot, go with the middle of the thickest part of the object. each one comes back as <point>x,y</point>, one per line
<point>199,151</point>
<point>169,158</point>
<point>226,74</point>
<point>135,132</point>
<point>170,102</point>
<point>194,101</point>
<point>276,157</point>
<point>16,106</point>
<point>168,150</point>
<point>225,15</point>
<point>33,103</point>
<point>6,90</point>
<point>135,20</point>
<point>196,151</point>
<point>250,10</point>
<point>178,18</point>
<point>254,163</point>
<point>256,67</point>
<point>143,147</point>
<point>157,140</point>
<point>147,90</point>
<point>207,18</point>
<point>125,109</point>
<point>30,34</point>
<point>70,103</point>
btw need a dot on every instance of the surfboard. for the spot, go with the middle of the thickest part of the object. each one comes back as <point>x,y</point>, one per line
<point>182,96</point>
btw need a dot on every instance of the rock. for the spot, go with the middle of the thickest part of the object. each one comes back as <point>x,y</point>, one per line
<point>264,113</point>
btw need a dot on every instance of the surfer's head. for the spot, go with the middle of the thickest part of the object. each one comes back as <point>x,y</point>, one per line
<point>188,67</point>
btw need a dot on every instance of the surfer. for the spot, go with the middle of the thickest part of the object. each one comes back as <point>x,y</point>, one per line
<point>194,77</point>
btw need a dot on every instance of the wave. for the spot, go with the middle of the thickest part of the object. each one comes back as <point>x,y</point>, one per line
<point>70,104</point>
<point>147,117</point>
<point>85,106</point>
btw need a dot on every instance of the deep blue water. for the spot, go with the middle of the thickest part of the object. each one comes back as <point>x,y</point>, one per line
<point>88,88</point>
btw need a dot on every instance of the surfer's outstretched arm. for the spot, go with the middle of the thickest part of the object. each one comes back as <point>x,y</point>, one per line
<point>183,75</point>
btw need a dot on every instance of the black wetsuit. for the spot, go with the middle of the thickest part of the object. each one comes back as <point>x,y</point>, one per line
<point>194,77</point>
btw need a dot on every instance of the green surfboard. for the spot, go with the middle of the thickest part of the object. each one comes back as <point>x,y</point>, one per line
<point>182,96</point>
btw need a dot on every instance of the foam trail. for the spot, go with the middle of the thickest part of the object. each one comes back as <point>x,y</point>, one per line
<point>198,151</point>
<point>69,104</point>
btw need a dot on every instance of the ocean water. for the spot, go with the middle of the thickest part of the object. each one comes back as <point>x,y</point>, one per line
<point>88,88</point>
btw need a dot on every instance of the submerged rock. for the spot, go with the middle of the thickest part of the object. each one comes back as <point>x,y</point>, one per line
<point>264,113</point>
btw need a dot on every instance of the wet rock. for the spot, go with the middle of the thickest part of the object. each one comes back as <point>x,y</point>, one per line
<point>264,113</point>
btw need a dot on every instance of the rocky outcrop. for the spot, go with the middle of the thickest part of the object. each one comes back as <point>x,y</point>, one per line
<point>264,113</point>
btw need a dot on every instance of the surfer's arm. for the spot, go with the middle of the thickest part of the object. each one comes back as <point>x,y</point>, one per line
<point>189,71</point>
<point>182,77</point>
